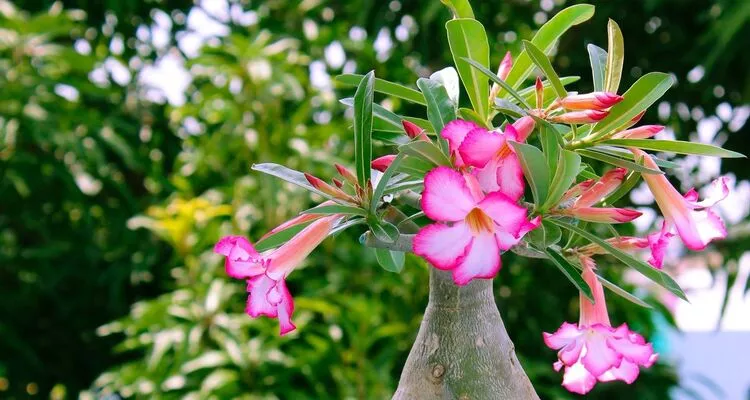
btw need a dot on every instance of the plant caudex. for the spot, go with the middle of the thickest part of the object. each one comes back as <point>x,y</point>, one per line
<point>467,170</point>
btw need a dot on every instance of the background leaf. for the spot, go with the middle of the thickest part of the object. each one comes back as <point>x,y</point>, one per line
<point>468,40</point>
<point>363,128</point>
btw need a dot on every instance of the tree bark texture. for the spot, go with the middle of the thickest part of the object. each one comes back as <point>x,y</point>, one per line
<point>462,350</point>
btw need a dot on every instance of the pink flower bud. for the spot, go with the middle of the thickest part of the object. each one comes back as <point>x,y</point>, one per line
<point>580,117</point>
<point>641,132</point>
<point>502,72</point>
<point>539,93</point>
<point>590,101</point>
<point>414,131</point>
<point>524,126</point>
<point>346,174</point>
<point>381,163</point>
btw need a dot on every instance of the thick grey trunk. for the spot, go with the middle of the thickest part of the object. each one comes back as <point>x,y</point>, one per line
<point>462,350</point>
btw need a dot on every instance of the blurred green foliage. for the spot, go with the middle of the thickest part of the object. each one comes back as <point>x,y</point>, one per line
<point>111,201</point>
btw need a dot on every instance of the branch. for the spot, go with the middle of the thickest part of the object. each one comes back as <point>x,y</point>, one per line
<point>403,243</point>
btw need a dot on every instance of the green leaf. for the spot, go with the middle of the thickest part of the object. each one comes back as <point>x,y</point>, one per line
<point>506,107</point>
<point>626,154</point>
<point>567,170</point>
<point>552,143</point>
<point>468,41</point>
<point>459,8</point>
<point>426,151</point>
<point>617,161</point>
<point>380,188</point>
<point>471,115</point>
<point>287,174</point>
<point>644,92</point>
<point>385,87</point>
<point>390,137</point>
<point>570,272</point>
<point>535,169</point>
<point>545,235</point>
<point>484,70</point>
<point>659,277</point>
<point>676,146</point>
<point>615,57</point>
<point>390,117</point>
<point>546,38</point>
<point>403,185</point>
<point>391,261</point>
<point>440,108</point>
<point>336,209</point>
<point>622,292</point>
<point>598,59</point>
<point>415,166</point>
<point>363,128</point>
<point>383,230</point>
<point>542,61</point>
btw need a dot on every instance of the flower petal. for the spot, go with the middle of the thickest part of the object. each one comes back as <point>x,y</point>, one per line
<point>577,379</point>
<point>455,132</point>
<point>505,211</point>
<point>487,176</point>
<point>446,196</point>
<point>480,146</point>
<point>632,349</point>
<point>285,308</point>
<point>563,336</point>
<point>257,302</point>
<point>626,372</point>
<point>482,260</point>
<point>718,192</point>
<point>698,228</point>
<point>442,245</point>
<point>599,356</point>
<point>510,176</point>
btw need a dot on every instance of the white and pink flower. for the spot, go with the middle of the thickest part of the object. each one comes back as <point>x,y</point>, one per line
<point>696,223</point>
<point>266,273</point>
<point>472,228</point>
<point>593,351</point>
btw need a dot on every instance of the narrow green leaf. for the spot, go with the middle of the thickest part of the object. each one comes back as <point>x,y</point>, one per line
<point>287,174</point>
<point>415,166</point>
<point>459,8</point>
<point>552,143</point>
<point>391,261</point>
<point>468,41</point>
<point>363,128</point>
<point>484,70</point>
<point>390,117</point>
<point>598,59</point>
<point>565,176</point>
<point>380,188</point>
<point>570,272</point>
<point>404,185</point>
<point>390,137</point>
<point>615,57</point>
<point>626,154</point>
<point>383,230</point>
<point>506,107</point>
<point>426,151</point>
<point>336,209</point>
<point>385,87</point>
<point>440,108</point>
<point>622,292</point>
<point>676,146</point>
<point>535,169</point>
<point>542,61</point>
<point>644,92</point>
<point>616,161</point>
<point>471,115</point>
<point>545,40</point>
<point>659,277</point>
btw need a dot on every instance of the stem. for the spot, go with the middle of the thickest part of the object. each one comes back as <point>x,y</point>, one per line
<point>462,350</point>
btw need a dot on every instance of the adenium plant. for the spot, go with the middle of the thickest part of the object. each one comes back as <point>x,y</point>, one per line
<point>529,169</point>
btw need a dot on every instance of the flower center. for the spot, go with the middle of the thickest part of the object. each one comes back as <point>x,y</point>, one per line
<point>479,222</point>
<point>504,151</point>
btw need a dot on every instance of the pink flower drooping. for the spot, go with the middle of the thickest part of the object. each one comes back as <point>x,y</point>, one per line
<point>266,273</point>
<point>593,351</point>
<point>471,228</point>
<point>590,192</point>
<point>696,223</point>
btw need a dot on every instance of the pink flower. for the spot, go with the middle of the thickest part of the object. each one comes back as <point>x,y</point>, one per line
<point>266,273</point>
<point>382,163</point>
<point>641,132</point>
<point>502,72</point>
<point>590,192</point>
<point>696,223</point>
<point>455,132</point>
<point>580,117</point>
<point>655,242</point>
<point>472,228</point>
<point>593,350</point>
<point>589,101</point>
<point>498,167</point>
